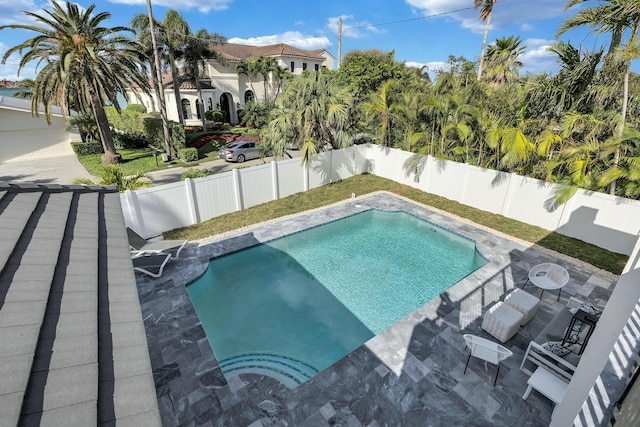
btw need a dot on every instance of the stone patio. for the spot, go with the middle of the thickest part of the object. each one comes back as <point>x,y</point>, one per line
<point>411,374</point>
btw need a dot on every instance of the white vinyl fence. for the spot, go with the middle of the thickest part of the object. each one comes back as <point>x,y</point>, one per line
<point>607,221</point>
<point>151,211</point>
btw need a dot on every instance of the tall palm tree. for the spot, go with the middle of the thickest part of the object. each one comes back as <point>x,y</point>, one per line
<point>194,55</point>
<point>486,10</point>
<point>172,37</point>
<point>86,64</point>
<point>502,60</point>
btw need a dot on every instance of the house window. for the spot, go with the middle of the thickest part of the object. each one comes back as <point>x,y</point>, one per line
<point>248,96</point>
<point>304,66</point>
<point>210,104</point>
<point>293,66</point>
<point>316,67</point>
<point>198,109</point>
<point>186,108</point>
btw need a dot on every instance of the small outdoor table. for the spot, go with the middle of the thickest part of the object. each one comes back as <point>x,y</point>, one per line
<point>549,276</point>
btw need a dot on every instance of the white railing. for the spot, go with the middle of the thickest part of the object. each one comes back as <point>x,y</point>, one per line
<point>607,221</point>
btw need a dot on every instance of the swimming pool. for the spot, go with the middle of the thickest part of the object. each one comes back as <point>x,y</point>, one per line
<point>291,307</point>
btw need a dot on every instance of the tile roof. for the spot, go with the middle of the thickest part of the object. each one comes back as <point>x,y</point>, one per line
<point>185,82</point>
<point>237,52</point>
<point>72,342</point>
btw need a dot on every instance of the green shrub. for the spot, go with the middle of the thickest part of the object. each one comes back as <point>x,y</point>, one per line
<point>194,173</point>
<point>129,120</point>
<point>87,148</point>
<point>154,134</point>
<point>138,108</point>
<point>214,115</point>
<point>129,140</point>
<point>188,154</point>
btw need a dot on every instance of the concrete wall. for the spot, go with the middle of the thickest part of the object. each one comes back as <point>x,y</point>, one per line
<point>24,137</point>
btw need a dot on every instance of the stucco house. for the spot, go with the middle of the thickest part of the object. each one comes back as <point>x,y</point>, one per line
<point>24,137</point>
<point>223,89</point>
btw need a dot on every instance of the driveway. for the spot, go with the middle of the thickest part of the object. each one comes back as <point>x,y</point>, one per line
<point>167,176</point>
<point>50,170</point>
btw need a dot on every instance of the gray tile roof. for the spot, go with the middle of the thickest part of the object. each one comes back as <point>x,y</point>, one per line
<point>72,342</point>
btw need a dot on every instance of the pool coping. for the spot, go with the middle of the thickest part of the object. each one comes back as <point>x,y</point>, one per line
<point>165,303</point>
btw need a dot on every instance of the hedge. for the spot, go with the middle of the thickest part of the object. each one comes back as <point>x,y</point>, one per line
<point>188,154</point>
<point>87,148</point>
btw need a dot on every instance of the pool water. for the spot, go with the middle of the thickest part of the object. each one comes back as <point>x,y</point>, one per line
<point>293,306</point>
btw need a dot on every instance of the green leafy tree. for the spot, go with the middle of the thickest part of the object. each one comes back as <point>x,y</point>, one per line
<point>86,64</point>
<point>383,112</point>
<point>365,71</point>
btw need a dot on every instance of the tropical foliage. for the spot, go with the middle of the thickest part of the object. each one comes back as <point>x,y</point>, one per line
<point>112,175</point>
<point>85,64</point>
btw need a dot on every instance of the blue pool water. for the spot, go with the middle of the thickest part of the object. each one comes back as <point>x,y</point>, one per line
<point>293,306</point>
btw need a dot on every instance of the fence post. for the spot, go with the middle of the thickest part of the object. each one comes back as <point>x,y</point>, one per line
<point>189,187</point>
<point>135,213</point>
<point>274,180</point>
<point>305,176</point>
<point>237,190</point>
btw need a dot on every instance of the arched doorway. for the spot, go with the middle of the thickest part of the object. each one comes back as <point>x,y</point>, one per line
<point>248,96</point>
<point>226,106</point>
<point>186,109</point>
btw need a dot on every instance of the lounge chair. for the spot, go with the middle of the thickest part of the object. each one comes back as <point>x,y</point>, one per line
<point>150,264</point>
<point>139,245</point>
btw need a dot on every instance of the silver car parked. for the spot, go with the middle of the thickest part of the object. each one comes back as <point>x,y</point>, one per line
<point>240,151</point>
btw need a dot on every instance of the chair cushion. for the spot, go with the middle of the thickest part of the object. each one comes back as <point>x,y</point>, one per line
<point>588,307</point>
<point>557,348</point>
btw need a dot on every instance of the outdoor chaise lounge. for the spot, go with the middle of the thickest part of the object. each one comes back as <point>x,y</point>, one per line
<point>140,245</point>
<point>150,264</point>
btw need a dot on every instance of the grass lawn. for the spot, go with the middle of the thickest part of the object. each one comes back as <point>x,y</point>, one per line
<point>133,162</point>
<point>363,184</point>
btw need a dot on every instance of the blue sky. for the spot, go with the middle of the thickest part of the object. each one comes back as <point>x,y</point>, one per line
<point>421,32</point>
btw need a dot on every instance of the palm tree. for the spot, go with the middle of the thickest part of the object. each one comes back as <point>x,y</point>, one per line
<point>250,68</point>
<point>266,66</point>
<point>172,37</point>
<point>194,55</point>
<point>381,109</point>
<point>27,84</point>
<point>86,64</point>
<point>486,10</point>
<point>615,16</point>
<point>502,60</point>
<point>313,112</point>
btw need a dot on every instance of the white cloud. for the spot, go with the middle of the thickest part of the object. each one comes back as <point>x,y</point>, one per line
<point>526,27</point>
<point>537,57</point>
<point>203,6</point>
<point>433,67</point>
<point>504,13</point>
<point>351,28</point>
<point>293,38</point>
<point>12,12</point>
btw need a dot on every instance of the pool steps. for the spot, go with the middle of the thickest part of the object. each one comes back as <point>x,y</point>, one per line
<point>288,370</point>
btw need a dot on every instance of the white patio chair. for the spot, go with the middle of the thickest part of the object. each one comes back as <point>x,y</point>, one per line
<point>487,350</point>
